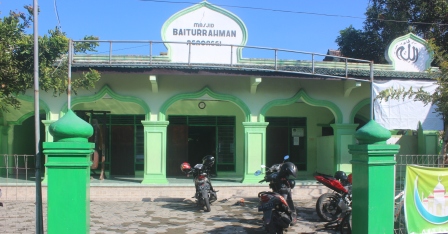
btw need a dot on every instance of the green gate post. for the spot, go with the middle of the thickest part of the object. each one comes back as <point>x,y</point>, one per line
<point>373,180</point>
<point>68,165</point>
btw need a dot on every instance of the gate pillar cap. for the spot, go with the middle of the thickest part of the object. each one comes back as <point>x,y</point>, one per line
<point>71,128</point>
<point>372,133</point>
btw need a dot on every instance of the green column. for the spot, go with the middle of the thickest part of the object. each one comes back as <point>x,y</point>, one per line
<point>2,136</point>
<point>48,138</point>
<point>255,150</point>
<point>9,145</point>
<point>155,152</point>
<point>68,171</point>
<point>10,139</point>
<point>373,180</point>
<point>343,137</point>
<point>3,147</point>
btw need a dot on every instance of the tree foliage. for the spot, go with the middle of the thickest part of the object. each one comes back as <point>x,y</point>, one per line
<point>389,19</point>
<point>17,60</point>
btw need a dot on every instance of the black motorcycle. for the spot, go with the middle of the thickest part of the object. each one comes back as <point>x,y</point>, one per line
<point>278,207</point>
<point>345,227</point>
<point>205,194</point>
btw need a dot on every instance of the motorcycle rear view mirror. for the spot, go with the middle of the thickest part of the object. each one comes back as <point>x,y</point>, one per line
<point>257,173</point>
<point>286,157</point>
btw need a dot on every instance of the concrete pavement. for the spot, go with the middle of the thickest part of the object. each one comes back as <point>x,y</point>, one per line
<point>165,215</point>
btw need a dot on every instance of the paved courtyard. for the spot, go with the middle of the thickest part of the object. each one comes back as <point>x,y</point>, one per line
<point>164,215</point>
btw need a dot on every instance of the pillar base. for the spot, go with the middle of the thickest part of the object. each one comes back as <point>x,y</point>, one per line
<point>251,179</point>
<point>155,179</point>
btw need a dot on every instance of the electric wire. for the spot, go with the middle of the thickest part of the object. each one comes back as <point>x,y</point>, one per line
<point>59,27</point>
<point>57,14</point>
<point>301,12</point>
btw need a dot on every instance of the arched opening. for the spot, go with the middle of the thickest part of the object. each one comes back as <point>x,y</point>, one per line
<point>199,127</point>
<point>119,133</point>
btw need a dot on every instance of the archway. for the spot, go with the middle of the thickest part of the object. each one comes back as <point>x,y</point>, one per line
<point>292,122</point>
<point>118,119</point>
<point>205,123</point>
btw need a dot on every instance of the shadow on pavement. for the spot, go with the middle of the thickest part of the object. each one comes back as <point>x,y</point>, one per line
<point>230,229</point>
<point>177,204</point>
<point>308,214</point>
<point>231,218</point>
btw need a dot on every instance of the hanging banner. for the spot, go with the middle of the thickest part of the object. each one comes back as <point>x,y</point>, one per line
<point>407,113</point>
<point>426,201</point>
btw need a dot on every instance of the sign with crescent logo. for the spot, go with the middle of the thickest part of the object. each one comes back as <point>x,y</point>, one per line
<point>426,200</point>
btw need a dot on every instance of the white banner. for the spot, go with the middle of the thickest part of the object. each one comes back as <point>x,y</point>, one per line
<point>405,114</point>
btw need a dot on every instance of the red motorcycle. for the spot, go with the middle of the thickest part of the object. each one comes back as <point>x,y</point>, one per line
<point>330,206</point>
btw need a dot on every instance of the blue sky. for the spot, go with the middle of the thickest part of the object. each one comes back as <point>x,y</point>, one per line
<point>143,20</point>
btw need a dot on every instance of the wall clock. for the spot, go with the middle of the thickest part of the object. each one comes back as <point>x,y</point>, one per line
<point>201,105</point>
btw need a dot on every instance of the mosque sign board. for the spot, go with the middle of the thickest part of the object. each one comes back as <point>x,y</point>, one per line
<point>206,33</point>
<point>409,53</point>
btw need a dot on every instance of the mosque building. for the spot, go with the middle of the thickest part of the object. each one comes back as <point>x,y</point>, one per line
<point>194,93</point>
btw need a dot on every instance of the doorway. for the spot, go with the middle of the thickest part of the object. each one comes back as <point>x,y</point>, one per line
<point>201,142</point>
<point>122,150</point>
<point>188,144</point>
<point>282,138</point>
<point>177,149</point>
<point>190,138</point>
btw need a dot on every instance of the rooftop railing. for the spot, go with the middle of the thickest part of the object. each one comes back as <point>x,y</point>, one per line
<point>140,52</point>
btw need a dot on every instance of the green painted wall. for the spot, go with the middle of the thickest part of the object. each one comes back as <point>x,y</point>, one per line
<point>408,144</point>
<point>325,153</point>
<point>346,157</point>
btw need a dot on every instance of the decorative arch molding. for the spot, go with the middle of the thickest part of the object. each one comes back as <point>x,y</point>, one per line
<point>42,105</point>
<point>358,107</point>
<point>43,108</point>
<point>26,116</point>
<point>204,91</point>
<point>360,117</point>
<point>106,90</point>
<point>308,100</point>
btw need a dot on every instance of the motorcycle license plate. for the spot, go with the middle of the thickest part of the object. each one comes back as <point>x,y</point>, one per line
<point>203,186</point>
<point>267,214</point>
<point>266,206</point>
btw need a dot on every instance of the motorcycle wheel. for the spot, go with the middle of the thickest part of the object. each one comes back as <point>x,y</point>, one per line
<point>271,228</point>
<point>206,201</point>
<point>346,224</point>
<point>279,230</point>
<point>327,207</point>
